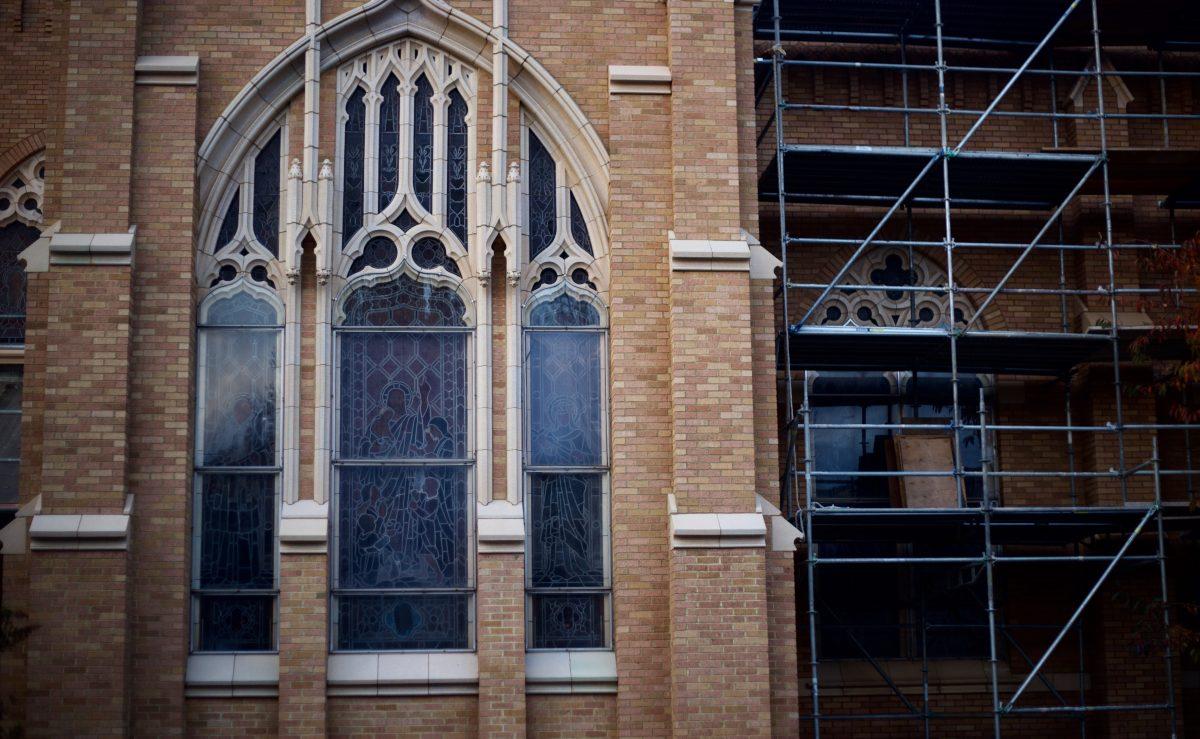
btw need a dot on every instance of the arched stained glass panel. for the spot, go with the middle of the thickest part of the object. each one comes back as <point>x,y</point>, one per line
<point>423,143</point>
<point>354,155</point>
<point>456,167</point>
<point>266,195</point>
<point>241,309</point>
<point>389,141</point>
<point>14,239</point>
<point>563,311</point>
<point>543,214</point>
<point>405,302</point>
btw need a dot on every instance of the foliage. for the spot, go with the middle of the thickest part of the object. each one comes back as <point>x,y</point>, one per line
<point>1176,332</point>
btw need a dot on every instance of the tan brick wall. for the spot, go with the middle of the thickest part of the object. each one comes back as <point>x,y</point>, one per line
<point>573,716</point>
<point>433,717</point>
<point>227,717</point>
<point>501,645</point>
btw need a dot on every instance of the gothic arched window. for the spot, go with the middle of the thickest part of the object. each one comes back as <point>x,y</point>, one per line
<point>238,465</point>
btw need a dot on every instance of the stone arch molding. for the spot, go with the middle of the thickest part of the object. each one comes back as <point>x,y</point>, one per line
<point>377,23</point>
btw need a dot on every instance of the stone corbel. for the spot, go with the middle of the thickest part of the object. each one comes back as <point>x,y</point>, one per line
<point>501,527</point>
<point>633,80</point>
<point>14,538</point>
<point>763,264</point>
<point>715,530</point>
<point>36,256</point>
<point>167,70</point>
<point>706,255</point>
<point>81,531</point>
<point>783,534</point>
<point>304,528</point>
<point>92,250</point>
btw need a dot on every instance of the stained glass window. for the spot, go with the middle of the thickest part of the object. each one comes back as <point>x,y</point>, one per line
<point>389,141</point>
<point>379,252</point>
<point>354,155</point>
<point>429,253</point>
<point>10,432</point>
<point>543,213</point>
<point>229,224</point>
<point>423,143</point>
<point>579,231</point>
<point>456,167</point>
<point>14,238</point>
<point>237,465</point>
<point>266,195</point>
<point>403,572</point>
<point>567,572</point>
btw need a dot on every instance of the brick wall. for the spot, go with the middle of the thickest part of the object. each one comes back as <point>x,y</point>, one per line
<point>572,716</point>
<point>434,717</point>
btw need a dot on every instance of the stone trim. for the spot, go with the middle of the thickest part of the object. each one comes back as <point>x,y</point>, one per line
<point>14,537</point>
<point>76,531</point>
<point>707,255</point>
<point>232,675</point>
<point>500,527</point>
<point>36,256</point>
<point>304,527</point>
<point>783,534</point>
<point>571,671</point>
<point>763,264</point>
<point>166,70</point>
<point>403,673</point>
<point>92,250</point>
<point>637,80</point>
<point>715,530</point>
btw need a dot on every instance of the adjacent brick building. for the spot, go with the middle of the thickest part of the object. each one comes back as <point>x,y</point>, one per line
<point>412,367</point>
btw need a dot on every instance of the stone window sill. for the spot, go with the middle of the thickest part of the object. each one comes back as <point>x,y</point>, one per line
<point>232,675</point>
<point>403,673</point>
<point>571,671</point>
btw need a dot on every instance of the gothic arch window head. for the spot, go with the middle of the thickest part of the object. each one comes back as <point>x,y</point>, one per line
<point>20,225</point>
<point>899,308</point>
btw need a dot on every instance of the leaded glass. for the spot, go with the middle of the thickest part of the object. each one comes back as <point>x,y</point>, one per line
<point>564,310</point>
<point>241,309</point>
<point>423,143</point>
<point>456,167</point>
<point>14,238</point>
<point>236,623</point>
<point>389,141</point>
<point>239,397</point>
<point>10,432</point>
<point>402,527</point>
<point>579,230</point>
<point>543,214</point>
<point>404,302</point>
<point>566,515</point>
<point>237,531</point>
<point>266,195</point>
<point>429,253</point>
<point>564,398</point>
<point>353,157</point>
<point>409,621</point>
<point>230,223</point>
<point>404,221</point>
<point>568,621</point>
<point>378,253</point>
<point>404,395</point>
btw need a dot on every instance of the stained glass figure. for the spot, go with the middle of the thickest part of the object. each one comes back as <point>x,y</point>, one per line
<point>579,231</point>
<point>389,141</point>
<point>405,302</point>
<point>237,531</point>
<point>239,398</point>
<point>354,155</point>
<point>568,621</point>
<point>567,520</point>
<point>564,399</point>
<point>14,238</point>
<point>379,252</point>
<point>403,395</point>
<point>456,167</point>
<point>266,195</point>
<point>564,310</point>
<point>229,224</point>
<point>403,527</point>
<point>429,253</point>
<point>423,143</point>
<point>403,621</point>
<point>543,214</point>
<point>236,623</point>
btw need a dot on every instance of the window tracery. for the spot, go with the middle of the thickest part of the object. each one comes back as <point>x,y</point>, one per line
<point>889,267</point>
<point>20,226</point>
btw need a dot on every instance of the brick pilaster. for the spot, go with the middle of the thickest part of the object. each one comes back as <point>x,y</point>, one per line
<point>501,644</point>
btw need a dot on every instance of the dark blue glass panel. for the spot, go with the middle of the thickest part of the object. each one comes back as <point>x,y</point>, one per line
<point>237,531</point>
<point>389,141</point>
<point>236,623</point>
<point>543,210</point>
<point>353,156</point>
<point>579,232</point>
<point>404,221</point>
<point>423,143</point>
<point>390,622</point>
<point>378,253</point>
<point>402,527</point>
<point>241,309</point>
<point>568,621</point>
<point>10,432</point>
<point>404,302</point>
<point>566,515</point>
<point>403,395</point>
<point>13,239</point>
<point>229,224</point>
<point>564,310</point>
<point>456,167</point>
<point>266,195</point>
<point>239,397</point>
<point>564,399</point>
<point>429,253</point>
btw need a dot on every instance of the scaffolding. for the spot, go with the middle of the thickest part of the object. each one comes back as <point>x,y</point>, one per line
<point>946,179</point>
